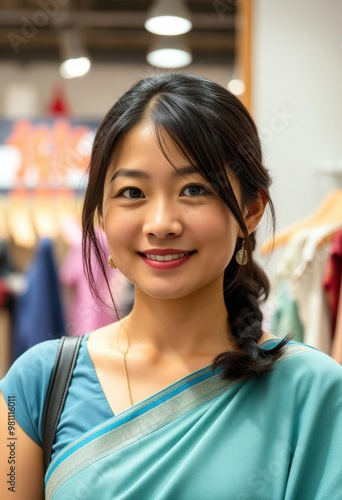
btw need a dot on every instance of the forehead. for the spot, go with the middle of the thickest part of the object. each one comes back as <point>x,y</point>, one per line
<point>141,144</point>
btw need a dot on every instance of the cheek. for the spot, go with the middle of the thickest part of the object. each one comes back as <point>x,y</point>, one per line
<point>219,234</point>
<point>216,227</point>
<point>119,228</point>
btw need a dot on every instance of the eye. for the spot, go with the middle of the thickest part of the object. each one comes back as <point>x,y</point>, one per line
<point>131,193</point>
<point>195,190</point>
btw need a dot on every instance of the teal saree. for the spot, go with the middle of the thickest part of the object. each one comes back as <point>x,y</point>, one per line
<point>205,438</point>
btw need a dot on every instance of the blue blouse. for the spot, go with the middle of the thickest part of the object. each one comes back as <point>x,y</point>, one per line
<point>28,379</point>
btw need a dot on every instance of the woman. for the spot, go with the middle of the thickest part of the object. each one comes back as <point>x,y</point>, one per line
<point>186,397</point>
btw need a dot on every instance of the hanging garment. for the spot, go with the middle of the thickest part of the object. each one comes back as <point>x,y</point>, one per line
<point>5,326</point>
<point>38,312</point>
<point>286,318</point>
<point>304,264</point>
<point>6,264</point>
<point>309,293</point>
<point>336,351</point>
<point>332,277</point>
<point>328,213</point>
<point>5,341</point>
<point>283,303</point>
<point>4,292</point>
<point>83,313</point>
<point>6,307</point>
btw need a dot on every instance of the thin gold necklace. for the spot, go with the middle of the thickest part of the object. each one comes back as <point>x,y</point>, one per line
<point>124,354</point>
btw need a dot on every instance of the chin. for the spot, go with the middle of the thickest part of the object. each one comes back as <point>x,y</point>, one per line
<point>165,295</point>
<point>168,293</point>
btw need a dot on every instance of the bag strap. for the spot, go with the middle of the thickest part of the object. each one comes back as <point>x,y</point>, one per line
<point>57,391</point>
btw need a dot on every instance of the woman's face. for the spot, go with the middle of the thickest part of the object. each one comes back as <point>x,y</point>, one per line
<point>169,234</point>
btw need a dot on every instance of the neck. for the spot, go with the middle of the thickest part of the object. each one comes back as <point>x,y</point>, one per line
<point>193,325</point>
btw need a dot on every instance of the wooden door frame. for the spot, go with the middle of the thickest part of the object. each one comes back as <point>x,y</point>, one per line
<point>244,15</point>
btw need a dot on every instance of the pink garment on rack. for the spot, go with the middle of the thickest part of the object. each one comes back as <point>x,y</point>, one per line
<point>336,352</point>
<point>83,313</point>
<point>332,277</point>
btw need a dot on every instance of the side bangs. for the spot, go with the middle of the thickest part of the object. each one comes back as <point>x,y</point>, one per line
<point>198,144</point>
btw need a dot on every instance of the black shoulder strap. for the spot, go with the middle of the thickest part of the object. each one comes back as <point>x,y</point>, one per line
<point>58,388</point>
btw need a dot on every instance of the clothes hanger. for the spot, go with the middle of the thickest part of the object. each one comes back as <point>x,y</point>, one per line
<point>4,230</point>
<point>66,209</point>
<point>43,216</point>
<point>328,212</point>
<point>19,220</point>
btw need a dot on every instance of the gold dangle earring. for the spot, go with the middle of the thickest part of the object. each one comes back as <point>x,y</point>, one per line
<point>111,262</point>
<point>241,255</point>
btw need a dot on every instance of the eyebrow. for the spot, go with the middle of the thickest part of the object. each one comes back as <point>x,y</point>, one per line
<point>139,174</point>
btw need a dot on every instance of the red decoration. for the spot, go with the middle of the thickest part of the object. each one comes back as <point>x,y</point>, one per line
<point>58,105</point>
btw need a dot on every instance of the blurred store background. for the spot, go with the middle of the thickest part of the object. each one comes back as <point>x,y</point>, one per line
<point>37,35</point>
<point>62,65</point>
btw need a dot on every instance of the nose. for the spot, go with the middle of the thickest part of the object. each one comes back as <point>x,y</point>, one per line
<point>162,220</point>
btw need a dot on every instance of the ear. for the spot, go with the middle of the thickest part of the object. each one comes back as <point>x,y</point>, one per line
<point>101,224</point>
<point>253,213</point>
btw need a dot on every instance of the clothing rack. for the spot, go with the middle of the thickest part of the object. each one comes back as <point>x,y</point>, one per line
<point>27,215</point>
<point>329,211</point>
<point>307,286</point>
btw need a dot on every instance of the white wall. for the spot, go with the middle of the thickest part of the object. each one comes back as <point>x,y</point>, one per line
<point>297,67</point>
<point>92,95</point>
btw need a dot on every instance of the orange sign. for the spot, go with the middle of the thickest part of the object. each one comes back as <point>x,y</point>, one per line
<point>52,153</point>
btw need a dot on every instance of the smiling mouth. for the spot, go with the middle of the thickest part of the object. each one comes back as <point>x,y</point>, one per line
<point>166,258</point>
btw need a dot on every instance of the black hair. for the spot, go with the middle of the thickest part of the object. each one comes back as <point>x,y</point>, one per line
<point>214,132</point>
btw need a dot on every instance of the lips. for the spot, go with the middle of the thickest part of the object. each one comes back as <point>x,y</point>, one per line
<point>165,258</point>
<point>165,251</point>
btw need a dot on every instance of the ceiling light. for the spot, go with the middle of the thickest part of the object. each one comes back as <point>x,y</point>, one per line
<point>168,18</point>
<point>169,52</point>
<point>75,59</point>
<point>236,86</point>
